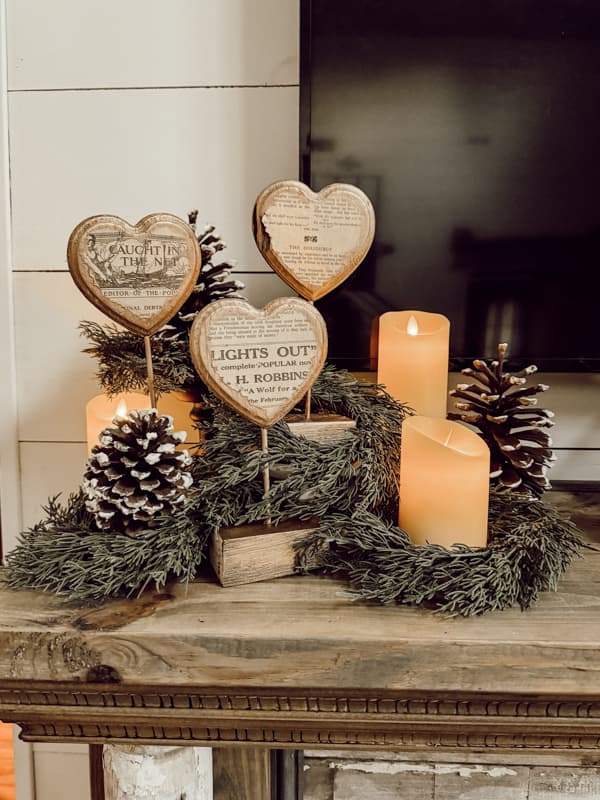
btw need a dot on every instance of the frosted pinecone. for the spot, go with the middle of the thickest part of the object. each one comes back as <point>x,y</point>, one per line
<point>505,411</point>
<point>135,473</point>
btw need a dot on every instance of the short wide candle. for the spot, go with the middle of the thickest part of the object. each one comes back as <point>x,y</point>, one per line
<point>413,359</point>
<point>444,483</point>
<point>101,411</point>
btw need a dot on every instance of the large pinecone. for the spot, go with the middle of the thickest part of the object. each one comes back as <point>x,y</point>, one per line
<point>135,473</point>
<point>505,412</point>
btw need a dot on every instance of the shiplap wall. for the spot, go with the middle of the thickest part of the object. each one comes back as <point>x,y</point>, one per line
<point>125,107</point>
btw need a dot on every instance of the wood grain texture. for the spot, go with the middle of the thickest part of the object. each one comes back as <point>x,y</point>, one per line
<point>250,553</point>
<point>241,773</point>
<point>321,427</point>
<point>306,632</point>
<point>294,662</point>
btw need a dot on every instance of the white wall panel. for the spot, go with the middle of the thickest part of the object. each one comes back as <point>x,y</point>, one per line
<point>54,378</point>
<point>48,469</point>
<point>120,43</point>
<point>575,399</point>
<point>74,154</point>
<point>576,465</point>
<point>260,288</point>
<point>9,457</point>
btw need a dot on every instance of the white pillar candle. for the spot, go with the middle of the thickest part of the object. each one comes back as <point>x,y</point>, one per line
<point>444,483</point>
<point>101,411</point>
<point>413,359</point>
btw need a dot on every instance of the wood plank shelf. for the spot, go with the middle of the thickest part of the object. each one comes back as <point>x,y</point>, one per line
<point>295,663</point>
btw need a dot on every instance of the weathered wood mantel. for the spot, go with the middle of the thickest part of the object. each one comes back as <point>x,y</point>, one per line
<point>295,663</point>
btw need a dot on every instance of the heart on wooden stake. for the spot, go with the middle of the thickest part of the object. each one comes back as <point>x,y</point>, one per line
<point>261,362</point>
<point>313,241</point>
<point>138,275</point>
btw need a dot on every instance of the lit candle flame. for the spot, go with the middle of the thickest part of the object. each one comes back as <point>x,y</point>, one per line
<point>412,326</point>
<point>121,410</point>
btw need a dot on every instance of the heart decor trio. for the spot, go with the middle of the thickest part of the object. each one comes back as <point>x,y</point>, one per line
<point>260,363</point>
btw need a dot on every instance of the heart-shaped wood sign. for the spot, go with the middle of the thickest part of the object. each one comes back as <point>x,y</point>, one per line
<point>138,275</point>
<point>261,362</point>
<point>313,241</point>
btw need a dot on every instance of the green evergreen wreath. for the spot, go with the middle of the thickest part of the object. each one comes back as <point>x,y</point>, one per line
<point>350,485</point>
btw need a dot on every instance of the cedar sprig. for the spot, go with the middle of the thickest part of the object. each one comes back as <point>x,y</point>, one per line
<point>122,363</point>
<point>66,554</point>
<point>308,478</point>
<point>530,549</point>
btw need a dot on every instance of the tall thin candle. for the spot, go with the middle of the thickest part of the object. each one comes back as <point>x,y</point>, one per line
<point>413,359</point>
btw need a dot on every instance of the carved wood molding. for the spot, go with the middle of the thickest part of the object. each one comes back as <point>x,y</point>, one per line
<point>94,713</point>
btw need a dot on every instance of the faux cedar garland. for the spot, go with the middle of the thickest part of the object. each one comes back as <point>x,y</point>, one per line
<point>350,485</point>
<point>530,548</point>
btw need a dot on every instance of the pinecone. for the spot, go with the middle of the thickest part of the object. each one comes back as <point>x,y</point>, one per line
<point>214,281</point>
<point>503,410</point>
<point>136,473</point>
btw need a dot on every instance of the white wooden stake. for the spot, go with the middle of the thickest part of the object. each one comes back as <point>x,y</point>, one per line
<point>150,368</point>
<point>264,442</point>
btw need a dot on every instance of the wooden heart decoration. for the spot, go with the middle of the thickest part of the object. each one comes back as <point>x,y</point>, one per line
<point>261,362</point>
<point>313,241</point>
<point>138,275</point>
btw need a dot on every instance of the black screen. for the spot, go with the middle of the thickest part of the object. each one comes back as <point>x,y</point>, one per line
<point>474,127</point>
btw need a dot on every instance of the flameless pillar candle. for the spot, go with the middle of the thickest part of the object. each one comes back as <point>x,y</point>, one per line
<point>101,410</point>
<point>444,483</point>
<point>413,359</point>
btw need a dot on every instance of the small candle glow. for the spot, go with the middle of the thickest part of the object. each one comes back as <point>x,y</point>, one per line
<point>101,411</point>
<point>121,410</point>
<point>413,359</point>
<point>412,326</point>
